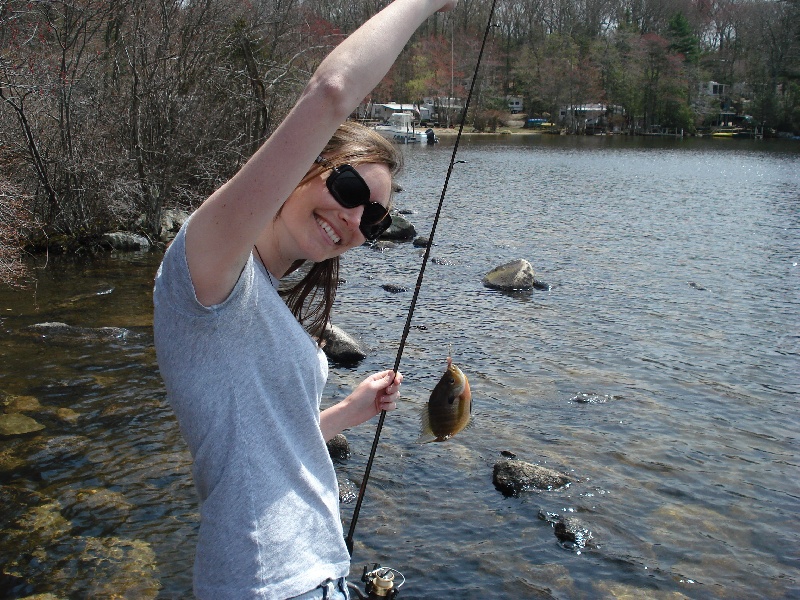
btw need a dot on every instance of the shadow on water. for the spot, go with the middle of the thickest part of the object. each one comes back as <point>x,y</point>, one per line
<point>671,405</point>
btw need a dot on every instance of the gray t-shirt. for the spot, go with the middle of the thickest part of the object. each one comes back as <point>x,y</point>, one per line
<point>245,381</point>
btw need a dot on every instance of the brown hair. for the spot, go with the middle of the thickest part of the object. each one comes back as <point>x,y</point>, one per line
<point>311,299</point>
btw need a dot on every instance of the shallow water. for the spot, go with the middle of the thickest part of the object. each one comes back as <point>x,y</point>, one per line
<point>674,298</point>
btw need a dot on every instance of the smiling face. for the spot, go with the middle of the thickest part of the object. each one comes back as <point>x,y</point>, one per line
<point>313,226</point>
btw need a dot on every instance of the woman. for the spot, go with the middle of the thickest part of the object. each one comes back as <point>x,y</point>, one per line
<point>243,376</point>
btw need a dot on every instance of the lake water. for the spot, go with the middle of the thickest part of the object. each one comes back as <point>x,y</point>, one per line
<point>674,301</point>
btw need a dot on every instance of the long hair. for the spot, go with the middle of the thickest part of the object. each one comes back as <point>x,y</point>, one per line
<point>311,299</point>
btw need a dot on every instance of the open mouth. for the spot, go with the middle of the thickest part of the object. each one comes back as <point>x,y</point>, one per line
<point>329,230</point>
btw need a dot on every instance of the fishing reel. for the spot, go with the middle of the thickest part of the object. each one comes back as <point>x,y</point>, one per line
<point>380,582</point>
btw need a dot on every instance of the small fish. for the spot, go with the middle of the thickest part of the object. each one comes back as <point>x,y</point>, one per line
<point>449,407</point>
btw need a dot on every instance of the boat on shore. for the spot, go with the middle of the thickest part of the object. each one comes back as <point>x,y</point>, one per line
<point>400,129</point>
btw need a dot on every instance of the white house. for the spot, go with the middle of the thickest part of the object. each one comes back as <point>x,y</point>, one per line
<point>712,88</point>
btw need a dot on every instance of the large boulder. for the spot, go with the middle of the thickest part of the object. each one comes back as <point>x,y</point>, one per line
<point>340,347</point>
<point>400,229</point>
<point>515,275</point>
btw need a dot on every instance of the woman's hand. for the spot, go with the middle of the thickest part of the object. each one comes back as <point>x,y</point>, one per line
<point>378,392</point>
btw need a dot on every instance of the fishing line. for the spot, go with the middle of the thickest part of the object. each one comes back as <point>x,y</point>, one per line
<point>362,489</point>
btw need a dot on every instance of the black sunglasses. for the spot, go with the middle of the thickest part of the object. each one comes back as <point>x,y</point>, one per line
<point>350,190</point>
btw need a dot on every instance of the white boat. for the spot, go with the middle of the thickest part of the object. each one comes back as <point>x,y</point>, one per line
<point>400,129</point>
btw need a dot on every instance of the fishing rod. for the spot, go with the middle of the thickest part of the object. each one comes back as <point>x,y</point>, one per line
<point>362,489</point>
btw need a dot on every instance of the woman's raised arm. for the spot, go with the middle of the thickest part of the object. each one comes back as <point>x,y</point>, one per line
<point>223,230</point>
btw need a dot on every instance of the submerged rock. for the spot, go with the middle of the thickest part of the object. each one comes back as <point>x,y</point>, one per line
<point>422,241</point>
<point>18,424</point>
<point>60,330</point>
<point>571,532</point>
<point>592,398</point>
<point>99,511</point>
<point>341,347</point>
<point>394,288</point>
<point>382,245</point>
<point>514,476</point>
<point>515,275</point>
<point>18,404</point>
<point>110,567</point>
<point>348,491</point>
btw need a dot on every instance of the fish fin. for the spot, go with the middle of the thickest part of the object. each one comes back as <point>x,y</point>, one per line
<point>426,435</point>
<point>425,438</point>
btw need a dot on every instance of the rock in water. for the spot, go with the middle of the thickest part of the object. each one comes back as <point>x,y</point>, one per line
<point>515,275</point>
<point>514,476</point>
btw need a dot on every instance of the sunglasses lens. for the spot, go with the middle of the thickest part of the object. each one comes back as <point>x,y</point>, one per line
<point>372,230</point>
<point>348,188</point>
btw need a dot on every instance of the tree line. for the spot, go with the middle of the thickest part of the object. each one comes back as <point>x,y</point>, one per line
<point>112,110</point>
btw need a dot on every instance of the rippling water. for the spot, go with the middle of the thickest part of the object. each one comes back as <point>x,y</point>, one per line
<point>674,297</point>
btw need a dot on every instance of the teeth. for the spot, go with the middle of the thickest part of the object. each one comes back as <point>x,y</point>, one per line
<point>329,230</point>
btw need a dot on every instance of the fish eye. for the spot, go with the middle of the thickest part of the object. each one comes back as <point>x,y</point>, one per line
<point>452,380</point>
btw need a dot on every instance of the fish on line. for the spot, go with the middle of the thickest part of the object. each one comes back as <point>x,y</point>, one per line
<point>449,408</point>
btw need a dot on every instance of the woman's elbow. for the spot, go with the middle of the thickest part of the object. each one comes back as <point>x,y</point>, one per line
<point>333,95</point>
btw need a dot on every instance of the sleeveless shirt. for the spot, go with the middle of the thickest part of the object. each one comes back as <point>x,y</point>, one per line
<point>245,381</point>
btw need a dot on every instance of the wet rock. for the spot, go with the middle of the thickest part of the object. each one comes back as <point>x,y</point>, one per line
<point>67,415</point>
<point>18,424</point>
<point>422,241</point>
<point>60,330</point>
<point>383,245</point>
<point>348,491</point>
<point>400,229</point>
<point>515,275</point>
<point>514,476</point>
<point>341,347</point>
<point>125,241</point>
<point>592,398</point>
<point>394,288</point>
<point>57,449</point>
<point>9,463</point>
<point>37,527</point>
<point>15,502</point>
<point>17,404</point>
<point>120,411</point>
<point>339,448</point>
<point>80,298</point>
<point>95,511</point>
<point>541,285</point>
<point>446,262</point>
<point>109,567</point>
<point>571,532</point>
